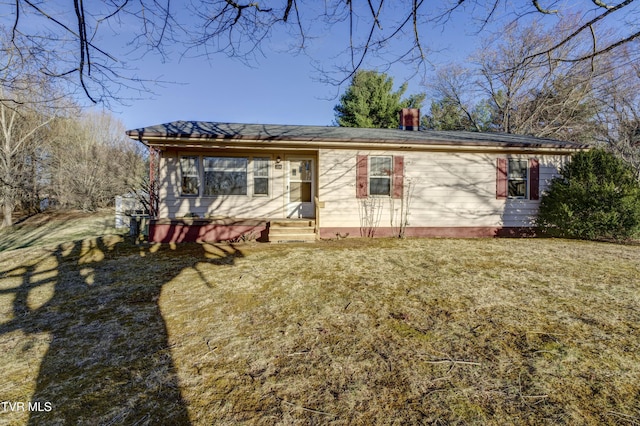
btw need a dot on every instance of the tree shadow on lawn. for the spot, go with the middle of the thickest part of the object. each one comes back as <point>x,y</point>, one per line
<point>108,360</point>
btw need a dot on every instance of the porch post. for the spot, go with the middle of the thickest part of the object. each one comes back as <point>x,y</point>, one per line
<point>153,187</point>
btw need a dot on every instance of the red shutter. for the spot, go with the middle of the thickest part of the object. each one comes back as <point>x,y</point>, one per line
<point>534,179</point>
<point>362,170</point>
<point>501,179</point>
<point>398,176</point>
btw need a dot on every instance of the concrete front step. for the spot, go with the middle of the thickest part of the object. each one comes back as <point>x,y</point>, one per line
<point>286,223</point>
<point>292,230</point>
<point>292,238</point>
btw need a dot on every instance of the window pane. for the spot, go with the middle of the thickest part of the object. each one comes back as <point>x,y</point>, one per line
<point>261,167</point>
<point>517,188</point>
<point>300,192</point>
<point>225,176</point>
<point>189,185</point>
<point>380,171</point>
<point>518,178</point>
<point>225,183</point>
<point>261,186</point>
<point>189,172</point>
<point>261,176</point>
<point>517,169</point>
<point>380,166</point>
<point>225,164</point>
<point>301,170</point>
<point>380,186</point>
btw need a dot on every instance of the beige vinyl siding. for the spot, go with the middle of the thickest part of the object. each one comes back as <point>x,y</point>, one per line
<point>441,190</point>
<point>173,204</point>
<point>169,182</point>
<point>519,212</point>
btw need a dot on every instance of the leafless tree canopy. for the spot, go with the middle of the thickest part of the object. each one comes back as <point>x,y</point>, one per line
<point>502,87</point>
<point>382,29</point>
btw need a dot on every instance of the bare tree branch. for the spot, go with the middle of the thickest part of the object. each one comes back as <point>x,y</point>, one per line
<point>604,50</point>
<point>582,28</point>
<point>602,4</point>
<point>542,10</point>
<point>287,10</point>
<point>242,29</point>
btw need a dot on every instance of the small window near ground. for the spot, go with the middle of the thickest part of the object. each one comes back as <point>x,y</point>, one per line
<point>261,176</point>
<point>225,176</point>
<point>380,172</point>
<point>517,177</point>
<point>190,184</point>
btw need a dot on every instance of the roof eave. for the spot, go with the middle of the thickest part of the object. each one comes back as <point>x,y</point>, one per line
<point>243,142</point>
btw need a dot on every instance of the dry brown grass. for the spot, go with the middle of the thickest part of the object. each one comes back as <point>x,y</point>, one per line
<point>53,226</point>
<point>430,331</point>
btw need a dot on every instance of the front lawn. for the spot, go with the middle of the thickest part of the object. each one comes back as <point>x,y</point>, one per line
<point>417,331</point>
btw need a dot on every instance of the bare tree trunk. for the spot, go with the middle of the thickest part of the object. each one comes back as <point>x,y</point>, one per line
<point>7,215</point>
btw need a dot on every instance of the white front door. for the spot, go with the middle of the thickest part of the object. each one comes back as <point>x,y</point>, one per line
<point>300,187</point>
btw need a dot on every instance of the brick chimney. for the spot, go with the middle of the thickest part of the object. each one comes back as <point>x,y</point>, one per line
<point>410,119</point>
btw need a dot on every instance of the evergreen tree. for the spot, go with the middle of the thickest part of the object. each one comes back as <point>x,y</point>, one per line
<point>370,102</point>
<point>597,196</point>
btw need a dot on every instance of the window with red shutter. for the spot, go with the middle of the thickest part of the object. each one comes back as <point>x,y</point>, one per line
<point>517,175</point>
<point>379,175</point>
<point>362,178</point>
<point>534,179</point>
<point>398,176</point>
<point>501,179</point>
<point>516,178</point>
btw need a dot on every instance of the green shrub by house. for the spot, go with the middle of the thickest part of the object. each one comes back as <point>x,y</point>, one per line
<point>597,196</point>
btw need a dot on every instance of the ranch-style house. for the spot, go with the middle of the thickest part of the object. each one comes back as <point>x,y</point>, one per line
<point>224,181</point>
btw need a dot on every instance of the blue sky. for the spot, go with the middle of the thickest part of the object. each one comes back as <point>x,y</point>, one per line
<point>279,88</point>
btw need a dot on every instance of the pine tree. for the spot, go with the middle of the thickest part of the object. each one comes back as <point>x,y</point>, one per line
<point>370,102</point>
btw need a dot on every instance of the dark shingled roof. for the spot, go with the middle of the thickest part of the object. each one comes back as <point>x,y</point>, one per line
<point>203,130</point>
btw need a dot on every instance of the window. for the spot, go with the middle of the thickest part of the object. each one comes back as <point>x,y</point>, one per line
<point>261,176</point>
<point>225,176</point>
<point>300,180</point>
<point>380,175</point>
<point>517,178</point>
<point>380,172</point>
<point>190,184</point>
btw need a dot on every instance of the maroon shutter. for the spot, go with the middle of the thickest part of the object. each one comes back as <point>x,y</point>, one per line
<point>534,179</point>
<point>501,179</point>
<point>398,176</point>
<point>362,170</point>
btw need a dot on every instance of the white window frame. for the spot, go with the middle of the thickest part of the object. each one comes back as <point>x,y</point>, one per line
<point>183,175</point>
<point>524,179</point>
<point>214,169</point>
<point>255,175</point>
<point>388,176</point>
<point>251,174</point>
